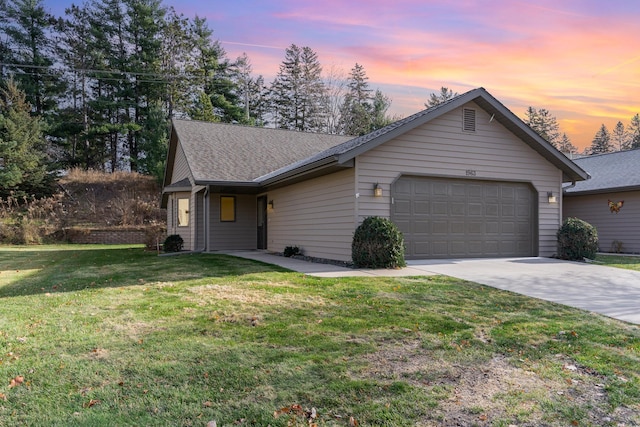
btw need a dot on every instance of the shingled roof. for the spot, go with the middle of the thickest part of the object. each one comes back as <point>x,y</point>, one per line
<point>220,152</point>
<point>236,155</point>
<point>619,171</point>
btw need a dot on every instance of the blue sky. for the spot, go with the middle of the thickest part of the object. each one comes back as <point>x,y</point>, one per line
<point>579,59</point>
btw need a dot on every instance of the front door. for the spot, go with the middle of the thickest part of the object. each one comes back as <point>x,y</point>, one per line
<point>262,222</point>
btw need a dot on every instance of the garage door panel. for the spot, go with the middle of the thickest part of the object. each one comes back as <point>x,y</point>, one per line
<point>402,206</point>
<point>421,207</point>
<point>421,227</point>
<point>440,208</point>
<point>465,218</point>
<point>474,209</point>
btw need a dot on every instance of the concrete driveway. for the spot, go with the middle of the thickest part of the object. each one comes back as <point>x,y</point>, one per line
<point>613,292</point>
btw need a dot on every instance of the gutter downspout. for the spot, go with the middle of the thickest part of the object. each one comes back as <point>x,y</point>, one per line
<point>206,219</point>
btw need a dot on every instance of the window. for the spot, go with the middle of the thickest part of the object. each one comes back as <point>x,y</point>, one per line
<point>227,208</point>
<point>183,212</point>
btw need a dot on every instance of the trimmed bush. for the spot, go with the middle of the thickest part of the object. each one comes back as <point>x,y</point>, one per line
<point>577,240</point>
<point>173,243</point>
<point>377,243</point>
<point>290,251</point>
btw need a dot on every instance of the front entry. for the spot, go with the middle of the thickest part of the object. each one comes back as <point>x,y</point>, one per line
<point>262,222</point>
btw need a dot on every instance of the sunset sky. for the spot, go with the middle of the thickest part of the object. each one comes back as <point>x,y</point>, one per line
<point>578,58</point>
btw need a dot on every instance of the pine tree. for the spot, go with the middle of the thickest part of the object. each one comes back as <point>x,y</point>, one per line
<point>544,124</point>
<point>620,138</point>
<point>213,73</point>
<point>23,169</point>
<point>566,146</point>
<point>30,47</point>
<point>357,109</point>
<point>297,93</point>
<point>601,142</point>
<point>250,91</point>
<point>381,104</point>
<point>634,132</point>
<point>440,98</point>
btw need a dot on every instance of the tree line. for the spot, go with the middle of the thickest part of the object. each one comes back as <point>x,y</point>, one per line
<point>98,86</point>
<point>620,139</point>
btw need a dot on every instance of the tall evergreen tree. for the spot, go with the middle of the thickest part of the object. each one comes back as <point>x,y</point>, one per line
<point>23,169</point>
<point>381,104</point>
<point>440,98</point>
<point>634,132</point>
<point>356,112</point>
<point>298,91</point>
<point>175,53</point>
<point>566,146</point>
<point>544,124</point>
<point>619,137</point>
<point>250,91</point>
<point>213,73</point>
<point>601,142</point>
<point>29,48</point>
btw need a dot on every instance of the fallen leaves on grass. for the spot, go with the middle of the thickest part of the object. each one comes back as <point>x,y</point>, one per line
<point>297,411</point>
<point>91,403</point>
<point>16,381</point>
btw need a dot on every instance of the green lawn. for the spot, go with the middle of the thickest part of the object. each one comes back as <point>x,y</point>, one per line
<point>628,262</point>
<point>94,335</point>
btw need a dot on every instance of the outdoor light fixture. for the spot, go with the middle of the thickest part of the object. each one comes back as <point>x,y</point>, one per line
<point>377,190</point>
<point>551,197</point>
<point>270,204</point>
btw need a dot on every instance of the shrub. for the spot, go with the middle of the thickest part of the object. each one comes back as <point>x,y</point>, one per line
<point>377,243</point>
<point>290,251</point>
<point>173,243</point>
<point>577,240</point>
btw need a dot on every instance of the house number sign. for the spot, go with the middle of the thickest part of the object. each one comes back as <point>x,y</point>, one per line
<point>471,172</point>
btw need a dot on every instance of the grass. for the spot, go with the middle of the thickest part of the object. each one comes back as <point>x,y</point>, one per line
<point>96,335</point>
<point>627,262</point>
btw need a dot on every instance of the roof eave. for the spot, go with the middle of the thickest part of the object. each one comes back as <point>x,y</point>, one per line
<point>319,167</point>
<point>602,190</point>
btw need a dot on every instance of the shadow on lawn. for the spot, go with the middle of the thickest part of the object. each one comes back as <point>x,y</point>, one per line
<point>34,271</point>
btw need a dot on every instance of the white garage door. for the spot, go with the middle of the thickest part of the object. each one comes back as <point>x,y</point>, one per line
<point>459,218</point>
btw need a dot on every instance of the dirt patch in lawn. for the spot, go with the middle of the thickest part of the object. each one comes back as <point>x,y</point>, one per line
<point>212,294</point>
<point>495,392</point>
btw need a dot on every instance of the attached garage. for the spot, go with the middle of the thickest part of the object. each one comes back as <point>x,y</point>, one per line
<point>463,218</point>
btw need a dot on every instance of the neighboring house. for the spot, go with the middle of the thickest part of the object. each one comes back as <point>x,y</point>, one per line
<point>466,178</point>
<point>615,178</point>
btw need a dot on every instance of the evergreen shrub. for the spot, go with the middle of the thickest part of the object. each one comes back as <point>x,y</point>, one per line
<point>173,243</point>
<point>577,240</point>
<point>290,251</point>
<point>377,243</point>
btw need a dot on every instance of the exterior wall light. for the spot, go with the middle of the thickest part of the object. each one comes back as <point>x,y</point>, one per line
<point>270,204</point>
<point>377,190</point>
<point>552,198</point>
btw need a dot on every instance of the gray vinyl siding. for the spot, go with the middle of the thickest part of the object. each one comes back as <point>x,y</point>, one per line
<point>442,149</point>
<point>240,234</point>
<point>317,215</point>
<point>180,166</point>
<point>623,226</point>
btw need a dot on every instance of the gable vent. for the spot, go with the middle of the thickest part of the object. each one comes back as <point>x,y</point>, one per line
<point>468,120</point>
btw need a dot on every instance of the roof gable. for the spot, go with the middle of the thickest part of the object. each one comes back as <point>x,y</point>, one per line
<point>619,171</point>
<point>350,149</point>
